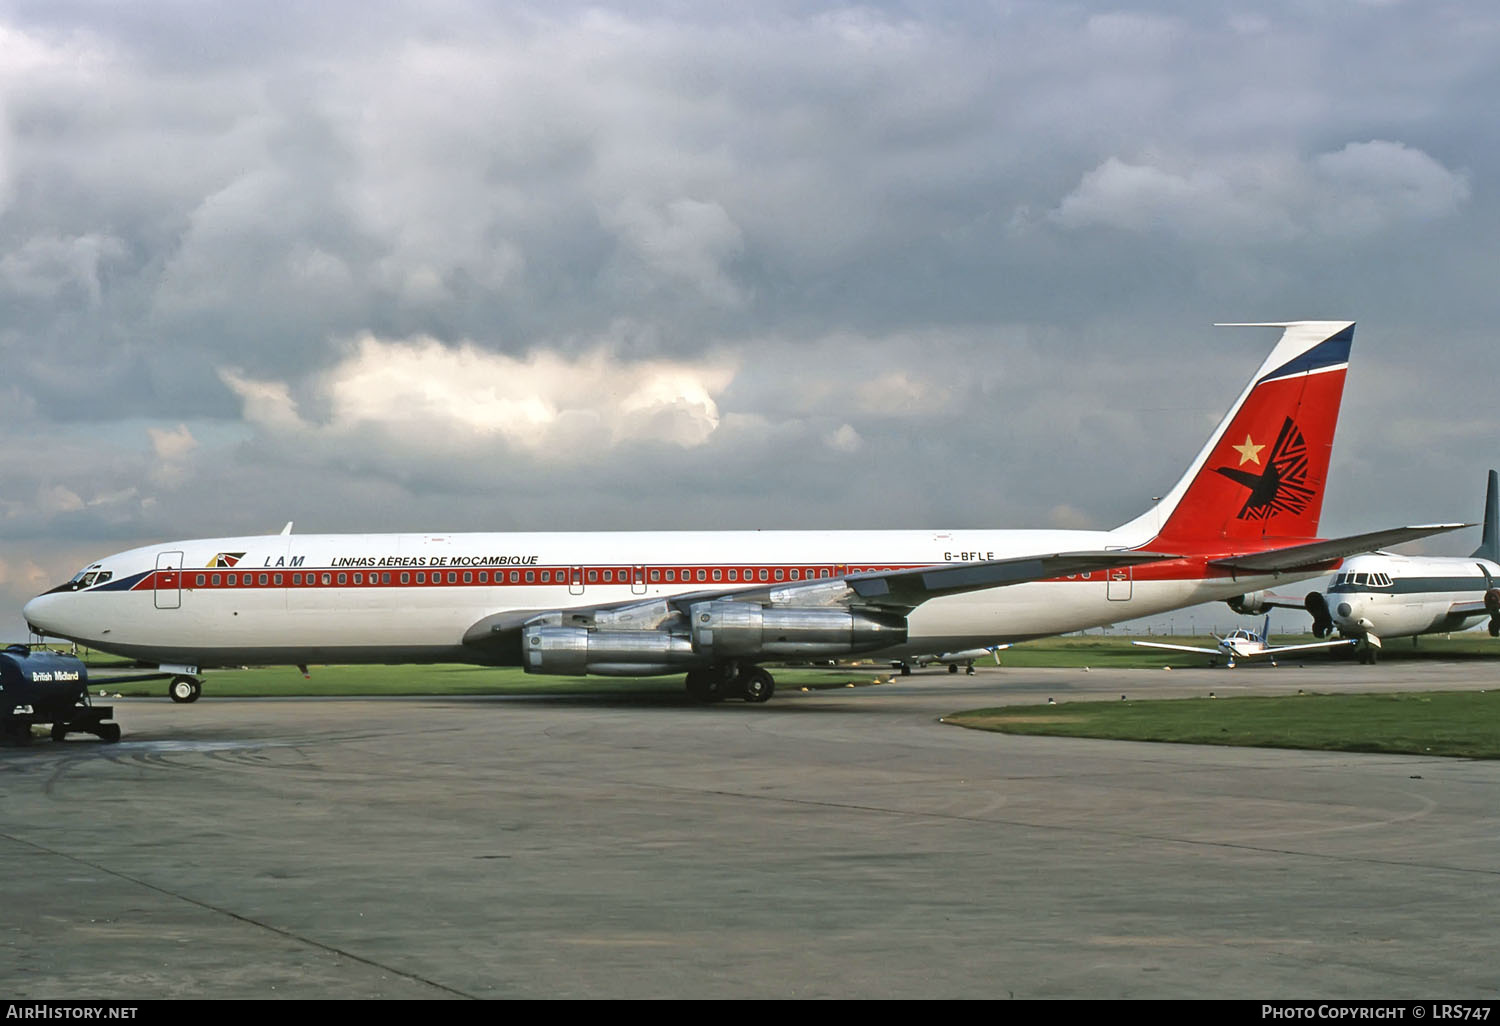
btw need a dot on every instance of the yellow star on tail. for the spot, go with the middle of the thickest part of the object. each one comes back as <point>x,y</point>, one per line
<point>1249,452</point>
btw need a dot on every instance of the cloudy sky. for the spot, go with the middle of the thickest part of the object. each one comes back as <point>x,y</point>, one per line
<point>487,266</point>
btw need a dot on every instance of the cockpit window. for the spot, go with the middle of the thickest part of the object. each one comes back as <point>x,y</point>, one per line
<point>88,577</point>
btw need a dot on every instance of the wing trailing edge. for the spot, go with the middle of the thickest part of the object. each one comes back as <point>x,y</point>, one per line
<point>910,588</point>
<point>1311,555</point>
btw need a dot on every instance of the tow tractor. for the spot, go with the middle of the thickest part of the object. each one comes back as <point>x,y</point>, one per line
<point>40,686</point>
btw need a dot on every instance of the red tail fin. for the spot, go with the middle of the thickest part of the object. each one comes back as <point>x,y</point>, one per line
<point>1261,477</point>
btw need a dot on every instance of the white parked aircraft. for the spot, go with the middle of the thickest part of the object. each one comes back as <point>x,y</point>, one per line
<point>953,659</point>
<point>716,605</point>
<point>1385,595</point>
<point>1245,644</point>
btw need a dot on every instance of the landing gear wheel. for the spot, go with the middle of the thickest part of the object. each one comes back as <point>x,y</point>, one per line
<point>59,732</point>
<point>756,685</point>
<point>1495,627</point>
<point>703,685</point>
<point>905,670</point>
<point>952,667</point>
<point>969,669</point>
<point>185,689</point>
<point>109,733</point>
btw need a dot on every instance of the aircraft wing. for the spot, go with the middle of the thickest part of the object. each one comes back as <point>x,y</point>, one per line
<point>1312,644</point>
<point>907,589</point>
<point>1314,554</point>
<point>894,591</point>
<point>1474,607</point>
<point>1178,648</point>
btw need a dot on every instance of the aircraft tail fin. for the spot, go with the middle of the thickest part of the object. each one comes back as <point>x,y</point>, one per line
<point>1489,541</point>
<point>1259,481</point>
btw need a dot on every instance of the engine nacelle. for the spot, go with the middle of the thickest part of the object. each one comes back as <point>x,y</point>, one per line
<point>1249,604</point>
<point>577,650</point>
<point>728,629</point>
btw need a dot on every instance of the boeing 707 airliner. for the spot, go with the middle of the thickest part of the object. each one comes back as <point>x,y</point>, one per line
<point>717,605</point>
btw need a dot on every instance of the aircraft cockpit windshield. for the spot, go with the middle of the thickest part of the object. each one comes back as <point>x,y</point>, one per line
<point>88,577</point>
<point>1360,582</point>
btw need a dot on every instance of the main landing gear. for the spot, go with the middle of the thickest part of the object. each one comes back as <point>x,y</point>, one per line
<point>731,680</point>
<point>185,689</point>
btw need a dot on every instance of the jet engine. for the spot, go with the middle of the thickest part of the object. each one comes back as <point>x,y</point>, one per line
<point>578,650</point>
<point>727,629</point>
<point>719,632</point>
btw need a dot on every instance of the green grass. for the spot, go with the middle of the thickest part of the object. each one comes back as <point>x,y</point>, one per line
<point>1464,723</point>
<point>438,679</point>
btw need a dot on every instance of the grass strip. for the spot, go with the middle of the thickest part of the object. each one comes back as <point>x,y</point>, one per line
<point>1449,723</point>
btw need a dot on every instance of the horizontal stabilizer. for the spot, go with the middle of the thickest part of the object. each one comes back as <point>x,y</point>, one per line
<point>1312,554</point>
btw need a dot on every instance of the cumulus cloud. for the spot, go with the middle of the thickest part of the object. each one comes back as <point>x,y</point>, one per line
<point>172,449</point>
<point>422,396</point>
<point>1361,189</point>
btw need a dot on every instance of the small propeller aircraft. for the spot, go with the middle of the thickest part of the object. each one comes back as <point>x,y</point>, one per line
<point>1246,644</point>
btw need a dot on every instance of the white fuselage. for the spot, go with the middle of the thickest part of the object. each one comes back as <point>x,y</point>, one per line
<point>1393,596</point>
<point>412,597</point>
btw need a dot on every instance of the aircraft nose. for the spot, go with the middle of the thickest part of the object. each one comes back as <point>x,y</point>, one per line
<point>1350,615</point>
<point>36,613</point>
